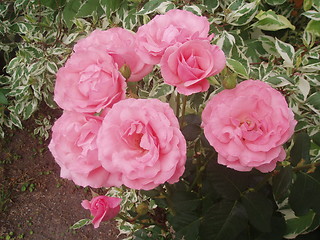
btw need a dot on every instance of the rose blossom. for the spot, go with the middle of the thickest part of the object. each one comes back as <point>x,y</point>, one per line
<point>247,126</point>
<point>187,66</point>
<point>176,26</point>
<point>102,208</point>
<point>74,148</point>
<point>141,140</point>
<point>89,82</point>
<point>121,45</point>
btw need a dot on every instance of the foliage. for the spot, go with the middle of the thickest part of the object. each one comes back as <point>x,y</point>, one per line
<point>276,41</point>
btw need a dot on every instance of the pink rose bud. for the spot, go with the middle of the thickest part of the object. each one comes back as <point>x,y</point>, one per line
<point>102,208</point>
<point>248,125</point>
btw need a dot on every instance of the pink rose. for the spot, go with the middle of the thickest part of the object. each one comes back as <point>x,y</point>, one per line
<point>121,45</point>
<point>89,82</point>
<point>74,148</point>
<point>188,65</point>
<point>247,126</point>
<point>102,208</point>
<point>163,31</point>
<point>140,139</point>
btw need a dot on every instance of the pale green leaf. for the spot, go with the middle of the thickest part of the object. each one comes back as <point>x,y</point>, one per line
<point>314,15</point>
<point>238,68</point>
<point>270,21</point>
<point>81,223</point>
<point>313,27</point>
<point>275,2</point>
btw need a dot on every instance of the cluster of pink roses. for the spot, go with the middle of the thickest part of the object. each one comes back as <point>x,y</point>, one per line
<point>103,139</point>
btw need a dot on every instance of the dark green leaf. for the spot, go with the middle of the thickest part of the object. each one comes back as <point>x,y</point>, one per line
<point>305,193</point>
<point>296,226</point>
<point>3,99</point>
<point>70,11</point>
<point>281,183</point>
<point>224,220</point>
<point>278,229</point>
<point>300,149</point>
<point>191,132</point>
<point>228,182</point>
<point>259,209</point>
<point>88,8</point>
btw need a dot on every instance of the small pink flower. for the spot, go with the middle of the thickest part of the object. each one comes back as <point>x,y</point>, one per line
<point>102,208</point>
<point>122,46</point>
<point>74,148</point>
<point>248,125</point>
<point>89,82</point>
<point>163,31</point>
<point>140,140</point>
<point>187,66</point>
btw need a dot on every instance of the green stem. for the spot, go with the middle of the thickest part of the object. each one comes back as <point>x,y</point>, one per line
<point>178,105</point>
<point>183,112</point>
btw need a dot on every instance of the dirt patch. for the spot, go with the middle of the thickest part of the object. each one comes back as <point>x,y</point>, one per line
<point>35,202</point>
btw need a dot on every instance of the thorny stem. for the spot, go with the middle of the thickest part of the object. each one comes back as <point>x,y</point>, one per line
<point>307,166</point>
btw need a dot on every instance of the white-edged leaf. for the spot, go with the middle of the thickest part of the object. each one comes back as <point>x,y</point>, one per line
<point>238,68</point>
<point>312,15</point>
<point>298,225</point>
<point>275,2</point>
<point>81,223</point>
<point>15,120</point>
<point>313,102</point>
<point>153,6</point>
<point>243,14</point>
<point>286,51</point>
<point>304,87</point>
<point>71,38</point>
<point>52,67</point>
<point>270,21</point>
<point>225,42</point>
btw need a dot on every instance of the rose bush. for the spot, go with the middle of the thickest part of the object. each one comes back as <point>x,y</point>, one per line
<point>166,30</point>
<point>121,44</point>
<point>248,125</point>
<point>102,208</point>
<point>140,139</point>
<point>187,66</point>
<point>74,148</point>
<point>89,82</point>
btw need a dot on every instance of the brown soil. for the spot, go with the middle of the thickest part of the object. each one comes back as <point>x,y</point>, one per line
<point>35,203</point>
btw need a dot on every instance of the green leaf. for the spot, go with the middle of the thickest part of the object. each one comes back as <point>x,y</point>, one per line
<point>275,2</point>
<point>242,14</point>
<point>15,120</point>
<point>259,209</point>
<point>191,132</point>
<point>70,11</point>
<point>281,183</point>
<point>81,223</point>
<point>270,21</point>
<point>88,8</point>
<point>238,68</point>
<point>278,228</point>
<point>110,6</point>
<point>228,182</point>
<point>305,193</point>
<point>286,51</point>
<point>296,226</point>
<point>314,15</point>
<point>3,99</point>
<point>212,5</point>
<point>313,27</point>
<point>224,220</point>
<point>307,4</point>
<point>300,149</point>
<point>186,220</point>
<point>151,6</point>
<point>313,102</point>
